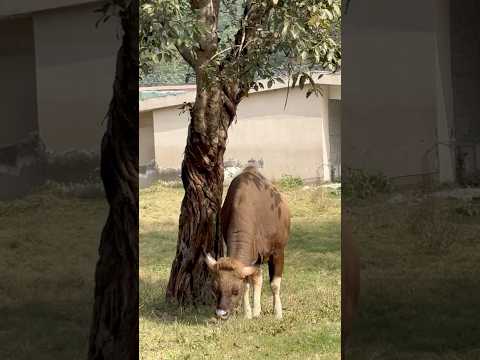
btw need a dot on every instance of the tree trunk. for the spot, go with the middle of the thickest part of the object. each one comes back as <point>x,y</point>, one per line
<point>202,177</point>
<point>114,330</point>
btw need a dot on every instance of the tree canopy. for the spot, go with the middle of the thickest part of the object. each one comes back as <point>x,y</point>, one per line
<point>246,40</point>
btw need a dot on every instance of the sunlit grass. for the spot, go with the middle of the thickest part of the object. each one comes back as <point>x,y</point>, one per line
<point>310,294</point>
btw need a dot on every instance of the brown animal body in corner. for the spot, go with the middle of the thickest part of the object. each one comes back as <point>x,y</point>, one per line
<point>255,226</point>
<point>350,282</point>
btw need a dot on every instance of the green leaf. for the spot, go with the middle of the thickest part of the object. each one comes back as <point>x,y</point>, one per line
<point>296,37</point>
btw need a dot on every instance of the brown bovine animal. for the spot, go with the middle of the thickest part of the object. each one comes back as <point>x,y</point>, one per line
<point>255,226</point>
<point>350,282</point>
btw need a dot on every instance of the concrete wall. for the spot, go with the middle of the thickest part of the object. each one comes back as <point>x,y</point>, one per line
<point>466,69</point>
<point>290,141</point>
<point>75,71</point>
<point>19,169</point>
<point>335,129</point>
<point>146,148</point>
<point>170,133</point>
<point>444,92</point>
<point>465,30</point>
<point>466,80</point>
<point>393,96</point>
<point>273,102</point>
<point>18,104</point>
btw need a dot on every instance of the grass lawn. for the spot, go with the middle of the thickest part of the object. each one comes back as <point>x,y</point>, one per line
<point>49,244</point>
<point>420,276</point>
<point>310,293</point>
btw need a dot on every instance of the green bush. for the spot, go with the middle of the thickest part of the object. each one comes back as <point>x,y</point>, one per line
<point>75,166</point>
<point>289,182</point>
<point>80,190</point>
<point>175,184</point>
<point>362,185</point>
<point>468,209</point>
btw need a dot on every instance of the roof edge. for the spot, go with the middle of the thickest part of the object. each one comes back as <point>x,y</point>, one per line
<point>190,92</point>
<point>25,7</point>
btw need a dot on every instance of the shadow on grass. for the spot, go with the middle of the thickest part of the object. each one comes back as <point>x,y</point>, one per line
<point>413,301</point>
<point>155,307</point>
<point>443,316</point>
<point>157,250</point>
<point>45,330</point>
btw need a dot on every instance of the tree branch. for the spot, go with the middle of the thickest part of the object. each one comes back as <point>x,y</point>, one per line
<point>253,16</point>
<point>187,55</point>
<point>207,17</point>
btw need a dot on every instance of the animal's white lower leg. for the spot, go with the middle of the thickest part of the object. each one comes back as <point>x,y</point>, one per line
<point>257,293</point>
<point>246,302</point>
<point>277,304</point>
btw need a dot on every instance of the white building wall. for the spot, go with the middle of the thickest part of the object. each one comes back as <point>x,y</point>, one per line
<point>18,102</point>
<point>335,128</point>
<point>146,150</point>
<point>170,133</point>
<point>444,92</point>
<point>291,141</point>
<point>393,100</point>
<point>75,72</point>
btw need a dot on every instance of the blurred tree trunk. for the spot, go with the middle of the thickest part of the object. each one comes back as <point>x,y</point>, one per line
<point>114,330</point>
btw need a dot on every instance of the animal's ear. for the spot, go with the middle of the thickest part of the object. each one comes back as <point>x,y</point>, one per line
<point>210,261</point>
<point>247,271</point>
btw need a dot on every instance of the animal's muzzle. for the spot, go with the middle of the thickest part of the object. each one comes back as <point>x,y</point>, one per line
<point>223,314</point>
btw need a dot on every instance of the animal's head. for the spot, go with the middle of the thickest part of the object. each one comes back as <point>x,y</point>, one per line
<point>229,279</point>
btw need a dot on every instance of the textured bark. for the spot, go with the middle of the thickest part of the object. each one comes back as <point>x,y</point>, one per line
<point>202,176</point>
<point>114,331</point>
<point>218,95</point>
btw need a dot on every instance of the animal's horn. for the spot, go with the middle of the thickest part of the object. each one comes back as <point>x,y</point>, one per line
<point>247,271</point>
<point>210,261</point>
